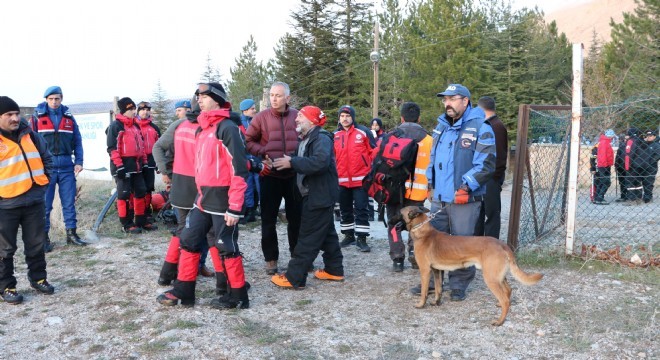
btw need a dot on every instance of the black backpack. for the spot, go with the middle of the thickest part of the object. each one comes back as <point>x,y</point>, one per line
<point>392,166</point>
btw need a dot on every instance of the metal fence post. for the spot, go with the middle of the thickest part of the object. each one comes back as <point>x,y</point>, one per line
<point>574,155</point>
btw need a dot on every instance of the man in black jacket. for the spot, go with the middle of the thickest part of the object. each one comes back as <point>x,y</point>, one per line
<point>651,156</point>
<point>316,179</point>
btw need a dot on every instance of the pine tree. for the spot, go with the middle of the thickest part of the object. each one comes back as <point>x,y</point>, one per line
<point>211,73</point>
<point>161,112</point>
<point>248,76</point>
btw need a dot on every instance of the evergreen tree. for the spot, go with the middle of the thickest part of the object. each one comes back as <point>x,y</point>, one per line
<point>161,113</point>
<point>633,52</point>
<point>248,76</point>
<point>211,73</point>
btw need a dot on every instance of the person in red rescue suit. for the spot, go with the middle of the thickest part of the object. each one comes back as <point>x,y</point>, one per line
<point>271,135</point>
<point>317,181</point>
<point>220,176</point>
<point>353,147</point>
<point>150,134</point>
<point>601,166</point>
<point>25,166</point>
<point>174,153</point>
<point>416,191</point>
<point>127,159</point>
<point>54,122</point>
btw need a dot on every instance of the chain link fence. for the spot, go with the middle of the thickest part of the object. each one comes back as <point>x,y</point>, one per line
<point>617,176</point>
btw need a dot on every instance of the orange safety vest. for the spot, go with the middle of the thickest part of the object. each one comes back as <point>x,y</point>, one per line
<point>417,190</point>
<point>20,167</point>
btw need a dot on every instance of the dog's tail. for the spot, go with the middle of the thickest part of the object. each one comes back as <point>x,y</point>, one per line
<point>519,274</point>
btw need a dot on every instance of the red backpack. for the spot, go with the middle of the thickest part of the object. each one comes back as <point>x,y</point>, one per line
<point>392,166</point>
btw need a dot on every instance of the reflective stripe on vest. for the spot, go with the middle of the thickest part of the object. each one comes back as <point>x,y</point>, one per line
<point>418,189</point>
<point>20,166</point>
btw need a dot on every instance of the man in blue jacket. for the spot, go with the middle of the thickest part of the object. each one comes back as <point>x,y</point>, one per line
<point>462,162</point>
<point>248,110</point>
<point>54,122</point>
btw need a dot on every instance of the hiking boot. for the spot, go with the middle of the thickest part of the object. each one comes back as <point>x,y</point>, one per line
<point>250,215</point>
<point>236,298</point>
<point>149,227</point>
<point>362,243</point>
<point>457,295</point>
<point>349,239</point>
<point>73,239</point>
<point>206,272</point>
<point>48,246</point>
<point>271,267</point>
<point>164,282</point>
<point>323,275</point>
<point>10,296</point>
<point>169,299</point>
<point>281,281</point>
<point>417,290</point>
<point>131,229</point>
<point>42,286</point>
<point>397,265</point>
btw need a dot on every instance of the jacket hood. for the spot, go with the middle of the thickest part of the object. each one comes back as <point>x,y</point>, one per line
<point>42,109</point>
<point>125,120</point>
<point>236,118</point>
<point>414,130</point>
<point>208,118</point>
<point>469,114</point>
<point>143,122</point>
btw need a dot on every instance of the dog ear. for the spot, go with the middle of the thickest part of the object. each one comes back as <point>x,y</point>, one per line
<point>394,220</point>
<point>413,213</point>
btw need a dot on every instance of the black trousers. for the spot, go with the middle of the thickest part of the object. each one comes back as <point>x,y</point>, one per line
<point>273,190</point>
<point>634,184</point>
<point>648,180</point>
<point>602,181</point>
<point>489,217</point>
<point>354,209</point>
<point>394,236</point>
<point>621,178</point>
<point>31,219</point>
<point>317,233</point>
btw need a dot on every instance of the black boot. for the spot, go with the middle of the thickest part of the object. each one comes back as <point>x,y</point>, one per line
<point>349,239</point>
<point>250,216</point>
<point>220,283</point>
<point>362,243</point>
<point>73,239</point>
<point>183,293</point>
<point>237,298</point>
<point>48,246</point>
<point>168,273</point>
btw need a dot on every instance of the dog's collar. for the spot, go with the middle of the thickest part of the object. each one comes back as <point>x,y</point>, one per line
<point>429,218</point>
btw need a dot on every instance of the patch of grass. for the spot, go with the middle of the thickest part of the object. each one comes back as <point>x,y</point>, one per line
<point>184,324</point>
<point>400,351</point>
<point>130,243</point>
<point>95,348</point>
<point>41,348</point>
<point>90,263</point>
<point>344,349</point>
<point>157,345</point>
<point>76,283</point>
<point>303,302</point>
<point>259,332</point>
<point>130,326</point>
<point>294,352</point>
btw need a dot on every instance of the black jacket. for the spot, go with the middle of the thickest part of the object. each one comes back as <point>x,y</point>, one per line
<point>317,165</point>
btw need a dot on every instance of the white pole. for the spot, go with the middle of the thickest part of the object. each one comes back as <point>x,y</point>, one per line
<point>574,156</point>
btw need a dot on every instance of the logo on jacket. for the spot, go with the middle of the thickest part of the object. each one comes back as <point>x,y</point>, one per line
<point>358,137</point>
<point>466,143</point>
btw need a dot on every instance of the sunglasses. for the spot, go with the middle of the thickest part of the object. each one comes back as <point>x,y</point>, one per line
<point>205,89</point>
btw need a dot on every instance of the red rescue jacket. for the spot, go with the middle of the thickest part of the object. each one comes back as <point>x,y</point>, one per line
<point>353,154</point>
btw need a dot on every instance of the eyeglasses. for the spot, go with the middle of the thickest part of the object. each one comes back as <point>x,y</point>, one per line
<point>448,99</point>
<point>205,89</point>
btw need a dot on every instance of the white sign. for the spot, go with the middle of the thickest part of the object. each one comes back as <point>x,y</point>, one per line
<point>96,159</point>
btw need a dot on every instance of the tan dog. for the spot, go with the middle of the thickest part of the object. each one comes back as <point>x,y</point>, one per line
<point>435,250</point>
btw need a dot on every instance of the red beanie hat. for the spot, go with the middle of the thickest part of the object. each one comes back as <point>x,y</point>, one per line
<point>313,114</point>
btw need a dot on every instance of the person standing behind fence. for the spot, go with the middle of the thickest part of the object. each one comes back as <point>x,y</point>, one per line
<point>317,181</point>
<point>462,163</point>
<point>127,159</point>
<point>602,171</point>
<point>248,110</point>
<point>634,166</point>
<point>651,157</point>
<point>272,134</point>
<point>54,122</point>
<point>489,218</point>
<point>25,166</point>
<point>620,168</point>
<point>150,134</point>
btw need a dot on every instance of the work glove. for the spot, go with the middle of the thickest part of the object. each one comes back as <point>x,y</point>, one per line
<point>462,195</point>
<point>255,166</point>
<point>265,170</point>
<point>120,173</point>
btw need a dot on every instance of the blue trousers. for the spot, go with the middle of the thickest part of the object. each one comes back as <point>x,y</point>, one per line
<point>354,210</point>
<point>66,182</point>
<point>253,187</point>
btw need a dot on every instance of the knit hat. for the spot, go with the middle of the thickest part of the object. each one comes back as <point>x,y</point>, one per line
<point>651,133</point>
<point>632,132</point>
<point>378,121</point>
<point>124,104</point>
<point>7,105</point>
<point>246,104</point>
<point>52,90</point>
<point>214,90</point>
<point>144,105</point>
<point>313,114</point>
<point>182,104</point>
<point>609,133</point>
<point>455,89</point>
<point>347,109</point>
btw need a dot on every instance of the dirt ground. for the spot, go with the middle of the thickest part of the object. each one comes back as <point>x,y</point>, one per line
<point>104,307</point>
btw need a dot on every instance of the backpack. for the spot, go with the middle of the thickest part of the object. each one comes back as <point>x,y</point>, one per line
<point>392,166</point>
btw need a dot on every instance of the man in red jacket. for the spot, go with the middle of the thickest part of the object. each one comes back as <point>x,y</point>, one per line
<point>271,135</point>
<point>353,146</point>
<point>220,176</point>
<point>150,134</point>
<point>603,171</point>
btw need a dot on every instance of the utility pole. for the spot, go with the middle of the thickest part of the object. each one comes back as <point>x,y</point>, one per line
<point>375,57</point>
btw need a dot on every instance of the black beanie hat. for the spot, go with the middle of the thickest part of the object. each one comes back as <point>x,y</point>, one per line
<point>347,109</point>
<point>124,104</point>
<point>632,132</point>
<point>217,93</point>
<point>378,121</point>
<point>7,105</point>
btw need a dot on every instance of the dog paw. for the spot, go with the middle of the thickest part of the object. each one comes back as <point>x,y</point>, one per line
<point>420,305</point>
<point>436,303</point>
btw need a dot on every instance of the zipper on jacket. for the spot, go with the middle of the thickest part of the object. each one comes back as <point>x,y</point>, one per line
<point>283,135</point>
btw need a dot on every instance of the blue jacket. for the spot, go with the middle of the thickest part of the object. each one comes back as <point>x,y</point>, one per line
<point>462,153</point>
<point>62,144</point>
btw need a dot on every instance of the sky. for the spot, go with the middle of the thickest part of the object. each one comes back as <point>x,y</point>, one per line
<point>96,50</point>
